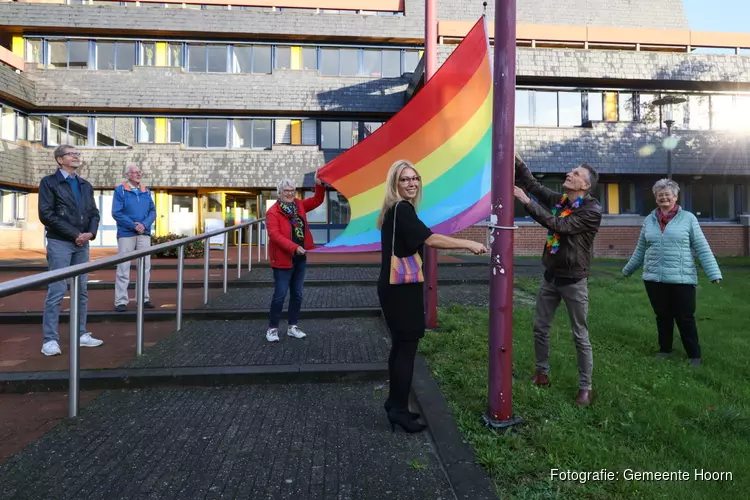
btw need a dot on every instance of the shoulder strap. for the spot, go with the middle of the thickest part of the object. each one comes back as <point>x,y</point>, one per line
<point>393,241</point>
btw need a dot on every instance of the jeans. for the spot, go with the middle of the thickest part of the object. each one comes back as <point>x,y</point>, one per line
<point>291,279</point>
<point>674,303</point>
<point>61,254</point>
<point>125,245</point>
<point>576,298</point>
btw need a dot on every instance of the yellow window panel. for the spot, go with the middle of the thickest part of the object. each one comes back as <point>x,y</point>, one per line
<point>297,132</point>
<point>18,46</point>
<point>161,53</point>
<point>613,198</point>
<point>610,106</point>
<point>161,131</point>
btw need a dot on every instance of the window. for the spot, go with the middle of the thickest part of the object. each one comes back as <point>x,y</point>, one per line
<point>647,198</point>
<point>724,205</point>
<point>12,207</point>
<point>625,106</point>
<point>411,61</point>
<point>115,55</point>
<point>57,51</point>
<point>72,130</point>
<point>570,109</point>
<point>329,135</point>
<point>627,198</point>
<point>78,55</point>
<point>391,63</point>
<point>699,112</point>
<point>372,63</point>
<point>649,115</point>
<point>722,112</point>
<point>596,106</point>
<point>340,212</point>
<point>174,52</point>
<point>329,62</point>
<point>174,129</point>
<point>701,200</point>
<point>262,59</point>
<point>349,62</point>
<point>309,57</point>
<point>370,128</point>
<point>252,134</point>
<point>207,133</point>
<point>146,130</point>
<point>34,50</point>
<point>545,109</point>
<point>523,108</point>
<point>309,132</point>
<point>7,124</point>
<point>21,126</point>
<point>319,214</point>
<point>34,128</point>
<point>148,53</point>
<point>115,131</point>
<point>207,58</point>
<point>283,58</point>
<point>252,59</point>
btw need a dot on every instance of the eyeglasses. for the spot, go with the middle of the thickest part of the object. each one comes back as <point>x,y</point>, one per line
<point>407,180</point>
<point>76,154</point>
<point>288,191</point>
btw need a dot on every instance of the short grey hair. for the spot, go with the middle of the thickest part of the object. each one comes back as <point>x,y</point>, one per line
<point>284,183</point>
<point>127,167</point>
<point>667,184</point>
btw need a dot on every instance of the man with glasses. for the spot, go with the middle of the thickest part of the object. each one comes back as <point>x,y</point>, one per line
<point>134,211</point>
<point>71,219</point>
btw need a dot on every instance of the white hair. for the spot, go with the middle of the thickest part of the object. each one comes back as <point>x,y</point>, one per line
<point>285,183</point>
<point>667,184</point>
<point>127,168</point>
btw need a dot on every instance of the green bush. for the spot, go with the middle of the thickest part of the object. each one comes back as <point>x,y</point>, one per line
<point>192,250</point>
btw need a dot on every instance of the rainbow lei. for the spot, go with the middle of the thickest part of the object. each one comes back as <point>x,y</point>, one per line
<point>564,208</point>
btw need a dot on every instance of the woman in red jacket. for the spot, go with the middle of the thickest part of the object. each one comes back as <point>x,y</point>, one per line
<point>289,239</point>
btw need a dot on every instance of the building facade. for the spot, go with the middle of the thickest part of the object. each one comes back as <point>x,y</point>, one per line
<point>218,100</point>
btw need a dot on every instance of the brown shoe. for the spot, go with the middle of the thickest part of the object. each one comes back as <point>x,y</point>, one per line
<point>583,398</point>
<point>540,379</point>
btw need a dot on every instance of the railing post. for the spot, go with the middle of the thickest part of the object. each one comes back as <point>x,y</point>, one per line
<point>226,259</point>
<point>259,241</point>
<point>180,272</point>
<point>250,248</point>
<point>239,253</point>
<point>141,278</point>
<point>74,377</point>
<point>266,243</point>
<point>206,251</point>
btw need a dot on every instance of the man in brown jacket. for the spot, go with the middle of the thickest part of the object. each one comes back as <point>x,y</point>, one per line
<point>572,220</point>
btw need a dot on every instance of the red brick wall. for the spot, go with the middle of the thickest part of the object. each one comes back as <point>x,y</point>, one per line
<point>619,241</point>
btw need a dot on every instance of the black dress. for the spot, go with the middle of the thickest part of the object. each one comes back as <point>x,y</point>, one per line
<point>403,305</point>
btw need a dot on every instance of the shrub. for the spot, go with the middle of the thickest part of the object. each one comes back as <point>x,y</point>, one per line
<point>192,250</point>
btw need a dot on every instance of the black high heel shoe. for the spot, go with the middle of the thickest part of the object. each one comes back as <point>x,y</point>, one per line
<point>413,415</point>
<point>403,420</point>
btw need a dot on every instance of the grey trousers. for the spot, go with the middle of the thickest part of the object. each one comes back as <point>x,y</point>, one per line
<point>576,298</point>
<point>125,245</point>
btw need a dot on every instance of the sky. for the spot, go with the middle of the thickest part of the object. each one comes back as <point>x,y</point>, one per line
<point>718,15</point>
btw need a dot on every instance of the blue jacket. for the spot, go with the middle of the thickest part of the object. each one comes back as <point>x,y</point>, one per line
<point>668,257</point>
<point>130,206</point>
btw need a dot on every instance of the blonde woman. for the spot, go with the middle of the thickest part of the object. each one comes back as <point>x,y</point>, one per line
<point>403,304</point>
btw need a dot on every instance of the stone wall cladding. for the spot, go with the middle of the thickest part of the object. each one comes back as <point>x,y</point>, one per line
<point>172,166</point>
<point>15,86</point>
<point>661,14</point>
<point>612,148</point>
<point>657,14</point>
<point>291,91</point>
<point>215,23</point>
<point>624,65</point>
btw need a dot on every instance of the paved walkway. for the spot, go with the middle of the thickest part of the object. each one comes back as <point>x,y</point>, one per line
<point>298,439</point>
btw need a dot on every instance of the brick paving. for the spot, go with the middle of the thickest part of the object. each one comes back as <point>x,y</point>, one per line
<point>305,441</point>
<point>243,343</point>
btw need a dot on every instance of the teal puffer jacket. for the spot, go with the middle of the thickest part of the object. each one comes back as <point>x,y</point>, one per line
<point>668,257</point>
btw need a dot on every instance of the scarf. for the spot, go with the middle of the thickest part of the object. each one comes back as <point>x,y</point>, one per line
<point>664,218</point>
<point>562,209</point>
<point>298,225</point>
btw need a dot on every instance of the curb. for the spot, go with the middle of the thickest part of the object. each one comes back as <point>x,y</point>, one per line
<point>149,378</point>
<point>33,318</point>
<point>467,477</point>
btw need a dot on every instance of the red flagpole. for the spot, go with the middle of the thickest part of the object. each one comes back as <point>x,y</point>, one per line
<point>500,408</point>
<point>430,254</point>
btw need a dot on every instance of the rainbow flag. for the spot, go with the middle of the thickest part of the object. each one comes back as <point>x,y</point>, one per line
<point>446,132</point>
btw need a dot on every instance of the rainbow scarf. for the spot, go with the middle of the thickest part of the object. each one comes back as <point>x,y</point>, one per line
<point>298,225</point>
<point>562,209</point>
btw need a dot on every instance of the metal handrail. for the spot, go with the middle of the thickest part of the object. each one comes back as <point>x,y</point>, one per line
<point>30,282</point>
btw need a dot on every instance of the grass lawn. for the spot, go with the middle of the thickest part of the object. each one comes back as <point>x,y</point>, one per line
<point>648,415</point>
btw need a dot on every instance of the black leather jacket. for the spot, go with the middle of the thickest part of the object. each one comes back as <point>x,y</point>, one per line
<point>59,211</point>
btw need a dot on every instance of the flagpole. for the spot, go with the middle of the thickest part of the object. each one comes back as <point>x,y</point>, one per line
<point>430,254</point>
<point>500,408</point>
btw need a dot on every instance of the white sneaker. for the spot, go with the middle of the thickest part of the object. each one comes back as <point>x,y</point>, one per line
<point>295,332</point>
<point>272,335</point>
<point>51,348</point>
<point>86,340</point>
